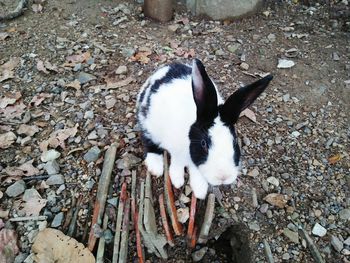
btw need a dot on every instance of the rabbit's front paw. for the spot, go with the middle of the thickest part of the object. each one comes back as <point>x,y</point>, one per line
<point>154,163</point>
<point>199,188</point>
<point>177,175</point>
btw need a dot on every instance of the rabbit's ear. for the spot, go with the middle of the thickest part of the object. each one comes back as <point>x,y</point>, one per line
<point>242,99</point>
<point>204,93</point>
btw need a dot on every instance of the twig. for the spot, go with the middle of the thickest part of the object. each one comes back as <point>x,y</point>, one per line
<point>168,234</point>
<point>35,177</point>
<point>73,223</point>
<point>208,218</point>
<point>169,198</point>
<point>102,192</point>
<point>254,198</point>
<point>268,253</point>
<point>192,219</point>
<point>17,12</point>
<point>101,243</point>
<point>118,224</point>
<point>28,218</point>
<point>314,251</point>
<point>123,252</point>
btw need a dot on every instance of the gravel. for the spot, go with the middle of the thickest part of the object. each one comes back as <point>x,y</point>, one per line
<point>92,155</point>
<point>16,189</point>
<point>57,221</point>
<point>319,230</point>
<point>52,167</point>
<point>55,179</point>
<point>50,155</point>
<point>336,243</point>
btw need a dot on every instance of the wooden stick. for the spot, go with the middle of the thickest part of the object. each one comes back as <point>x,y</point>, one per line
<point>169,198</point>
<point>192,219</point>
<point>28,218</point>
<point>118,224</point>
<point>123,252</point>
<point>102,192</point>
<point>193,239</point>
<point>313,248</point>
<point>268,252</point>
<point>73,223</point>
<point>168,234</point>
<point>101,243</point>
<point>208,218</point>
<point>134,215</point>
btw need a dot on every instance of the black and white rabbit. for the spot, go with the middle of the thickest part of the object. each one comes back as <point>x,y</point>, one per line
<point>180,110</point>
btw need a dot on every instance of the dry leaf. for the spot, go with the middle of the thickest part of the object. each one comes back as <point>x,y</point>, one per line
<point>37,8</point>
<point>9,99</point>
<point>28,130</point>
<point>26,169</point>
<point>40,66</point>
<point>33,206</point>
<point>110,102</point>
<point>6,70</point>
<point>52,246</point>
<point>38,99</point>
<point>4,35</point>
<point>13,111</point>
<point>118,84</point>
<point>7,139</point>
<point>57,138</point>
<point>335,158</point>
<point>141,56</point>
<point>8,245</point>
<point>74,84</point>
<point>78,58</point>
<point>249,114</point>
<point>278,200</point>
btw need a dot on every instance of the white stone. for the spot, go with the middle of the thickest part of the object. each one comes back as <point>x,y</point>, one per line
<point>285,63</point>
<point>273,180</point>
<point>319,230</point>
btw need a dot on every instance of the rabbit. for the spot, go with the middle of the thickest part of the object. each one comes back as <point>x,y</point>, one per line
<point>179,109</point>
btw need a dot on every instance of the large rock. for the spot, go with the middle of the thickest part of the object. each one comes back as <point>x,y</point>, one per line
<point>223,9</point>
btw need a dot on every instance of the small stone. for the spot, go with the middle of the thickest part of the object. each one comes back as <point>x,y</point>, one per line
<point>244,66</point>
<point>113,201</point>
<point>347,241</point>
<point>271,37</point>
<point>273,180</point>
<point>319,230</point>
<point>50,155</point>
<point>254,172</point>
<point>291,235</point>
<point>16,188</point>
<point>92,135</point>
<point>89,114</point>
<point>52,167</point>
<point>286,97</point>
<point>253,226</point>
<point>183,214</point>
<point>60,189</point>
<point>285,176</point>
<point>295,134</point>
<point>26,141</point>
<point>31,194</point>
<point>121,70</point>
<point>263,208</point>
<point>344,214</point>
<point>56,179</point>
<point>188,190</point>
<point>335,56</point>
<point>219,52</point>
<point>286,256</point>
<point>285,63</point>
<point>57,221</point>
<point>199,254</point>
<point>128,161</point>
<point>173,27</point>
<point>318,213</point>
<point>246,141</point>
<point>92,155</point>
<point>84,77</point>
<point>336,243</point>
<point>234,48</point>
<point>184,199</point>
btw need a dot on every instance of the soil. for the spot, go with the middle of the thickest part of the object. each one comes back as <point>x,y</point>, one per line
<point>312,98</point>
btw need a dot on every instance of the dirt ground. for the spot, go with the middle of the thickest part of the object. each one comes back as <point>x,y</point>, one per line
<point>297,147</point>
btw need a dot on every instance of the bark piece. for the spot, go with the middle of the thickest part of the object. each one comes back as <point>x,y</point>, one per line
<point>208,218</point>
<point>160,10</point>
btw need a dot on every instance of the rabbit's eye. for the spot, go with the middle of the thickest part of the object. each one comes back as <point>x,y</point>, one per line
<point>204,145</point>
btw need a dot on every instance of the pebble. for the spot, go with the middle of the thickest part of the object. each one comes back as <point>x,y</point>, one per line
<point>264,207</point>
<point>286,256</point>
<point>295,134</point>
<point>50,155</point>
<point>246,141</point>
<point>347,242</point>
<point>16,188</point>
<point>183,214</point>
<point>128,161</point>
<point>31,194</point>
<point>244,66</point>
<point>84,77</point>
<point>92,135</point>
<point>286,97</point>
<point>273,180</point>
<point>335,56</point>
<point>52,167</point>
<point>113,201</point>
<point>319,230</point>
<point>56,179</point>
<point>336,243</point>
<point>254,172</point>
<point>57,221</point>
<point>121,70</point>
<point>344,214</point>
<point>199,254</point>
<point>89,115</point>
<point>253,226</point>
<point>92,155</point>
<point>285,63</point>
<point>271,37</point>
<point>291,235</point>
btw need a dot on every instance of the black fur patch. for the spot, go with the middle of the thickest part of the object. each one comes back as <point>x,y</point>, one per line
<point>176,71</point>
<point>149,145</point>
<point>197,134</point>
<point>237,150</point>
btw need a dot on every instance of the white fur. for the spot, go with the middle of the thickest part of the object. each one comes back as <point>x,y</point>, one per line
<point>171,113</point>
<point>154,163</point>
